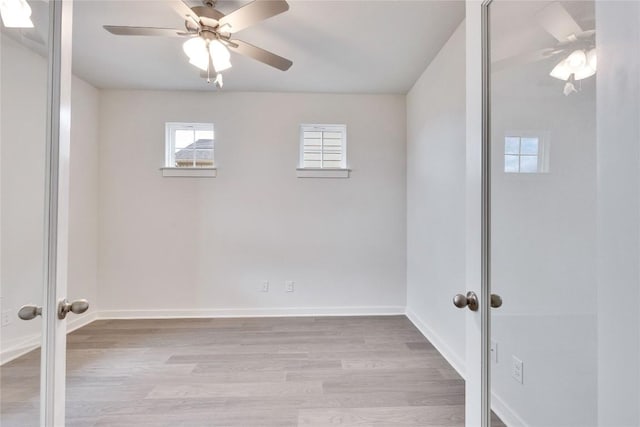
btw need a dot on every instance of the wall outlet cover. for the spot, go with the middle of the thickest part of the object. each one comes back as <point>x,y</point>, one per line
<point>289,286</point>
<point>6,317</point>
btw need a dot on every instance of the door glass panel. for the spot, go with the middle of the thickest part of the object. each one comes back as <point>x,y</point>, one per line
<point>564,212</point>
<point>23,113</point>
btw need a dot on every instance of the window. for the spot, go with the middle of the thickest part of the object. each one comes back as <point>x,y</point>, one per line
<point>323,151</point>
<point>525,153</point>
<point>189,146</point>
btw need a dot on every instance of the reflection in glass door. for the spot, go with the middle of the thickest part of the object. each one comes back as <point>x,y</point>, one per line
<point>23,135</point>
<point>564,212</point>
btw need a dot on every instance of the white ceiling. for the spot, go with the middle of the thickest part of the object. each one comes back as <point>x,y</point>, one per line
<point>349,46</point>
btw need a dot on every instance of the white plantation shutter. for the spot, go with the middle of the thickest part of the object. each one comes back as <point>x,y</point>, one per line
<point>323,146</point>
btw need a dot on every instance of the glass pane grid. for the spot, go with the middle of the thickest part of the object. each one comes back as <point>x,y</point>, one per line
<point>191,145</point>
<point>521,154</point>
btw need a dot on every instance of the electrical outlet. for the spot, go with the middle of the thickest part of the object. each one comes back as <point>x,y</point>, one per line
<point>6,317</point>
<point>494,351</point>
<point>516,369</point>
<point>289,286</point>
<point>265,286</point>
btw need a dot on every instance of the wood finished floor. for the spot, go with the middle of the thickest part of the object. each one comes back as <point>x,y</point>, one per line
<point>263,372</point>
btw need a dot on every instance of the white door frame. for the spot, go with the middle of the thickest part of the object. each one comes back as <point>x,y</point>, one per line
<point>477,231</point>
<point>477,201</point>
<point>53,357</point>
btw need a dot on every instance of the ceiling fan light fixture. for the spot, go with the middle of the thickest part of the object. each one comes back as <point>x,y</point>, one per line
<point>580,64</point>
<point>196,49</point>
<point>16,14</point>
<point>562,71</point>
<point>577,59</point>
<point>584,72</point>
<point>220,56</point>
<point>198,62</point>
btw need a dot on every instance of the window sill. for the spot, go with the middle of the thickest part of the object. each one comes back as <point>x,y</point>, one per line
<point>190,172</point>
<point>322,173</point>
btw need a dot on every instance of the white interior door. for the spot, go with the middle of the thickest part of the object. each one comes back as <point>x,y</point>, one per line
<point>564,168</point>
<point>36,87</point>
<point>56,306</point>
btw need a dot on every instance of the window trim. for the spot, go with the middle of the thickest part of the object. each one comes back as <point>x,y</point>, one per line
<point>169,169</point>
<point>190,172</point>
<point>543,150</point>
<point>305,127</point>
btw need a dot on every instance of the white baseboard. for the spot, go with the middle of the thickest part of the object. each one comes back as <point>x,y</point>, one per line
<point>19,348</point>
<point>506,414</point>
<point>78,322</point>
<point>498,405</point>
<point>31,342</point>
<point>455,361</point>
<point>252,312</point>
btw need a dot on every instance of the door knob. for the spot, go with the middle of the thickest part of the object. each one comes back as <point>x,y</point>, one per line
<point>496,301</point>
<point>470,300</point>
<point>77,307</point>
<point>28,312</point>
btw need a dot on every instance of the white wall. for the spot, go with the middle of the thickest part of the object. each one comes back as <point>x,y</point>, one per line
<point>436,199</point>
<point>23,124</point>
<point>188,246</point>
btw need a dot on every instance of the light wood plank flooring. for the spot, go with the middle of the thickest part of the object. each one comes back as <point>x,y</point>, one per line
<point>311,371</point>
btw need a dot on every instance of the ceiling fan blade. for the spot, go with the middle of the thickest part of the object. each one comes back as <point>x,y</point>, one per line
<point>187,13</point>
<point>523,59</point>
<point>555,19</point>
<point>261,55</point>
<point>183,9</point>
<point>252,13</point>
<point>145,31</point>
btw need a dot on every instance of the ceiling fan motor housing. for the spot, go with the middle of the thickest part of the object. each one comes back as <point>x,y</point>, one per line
<point>208,12</point>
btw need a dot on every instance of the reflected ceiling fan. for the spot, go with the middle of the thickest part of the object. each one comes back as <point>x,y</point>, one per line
<point>210,32</point>
<point>581,61</point>
<point>574,45</point>
<point>17,16</point>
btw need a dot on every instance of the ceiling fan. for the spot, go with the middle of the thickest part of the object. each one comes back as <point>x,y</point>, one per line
<point>574,45</point>
<point>210,32</point>
<point>581,61</point>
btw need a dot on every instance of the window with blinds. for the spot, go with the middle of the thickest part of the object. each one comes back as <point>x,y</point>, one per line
<point>189,145</point>
<point>323,146</point>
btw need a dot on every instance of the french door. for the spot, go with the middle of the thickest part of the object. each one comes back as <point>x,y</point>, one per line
<point>35,118</point>
<point>553,213</point>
